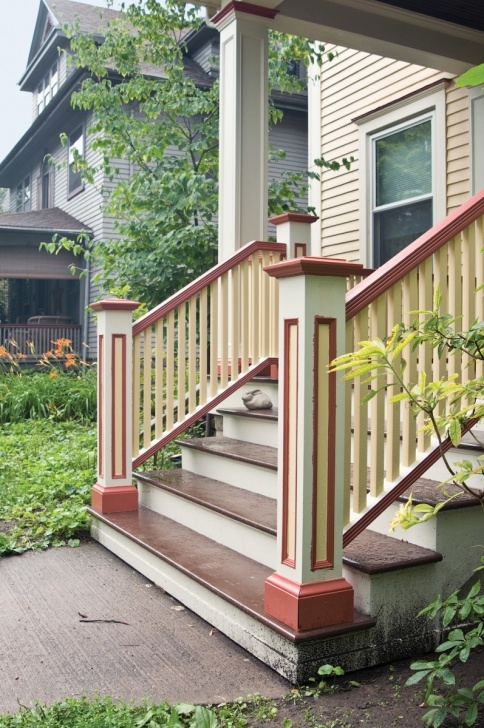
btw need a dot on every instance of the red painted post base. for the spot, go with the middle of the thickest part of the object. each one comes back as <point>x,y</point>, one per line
<point>310,605</point>
<point>115,499</point>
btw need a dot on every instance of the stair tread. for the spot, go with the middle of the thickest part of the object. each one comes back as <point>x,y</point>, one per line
<point>266,414</point>
<point>261,455</point>
<point>225,572</point>
<point>253,509</point>
<point>427,491</point>
<point>375,553</point>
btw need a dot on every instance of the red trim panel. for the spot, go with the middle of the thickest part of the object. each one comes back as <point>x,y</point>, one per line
<point>116,424</point>
<point>100,406</point>
<point>320,370</point>
<point>289,420</point>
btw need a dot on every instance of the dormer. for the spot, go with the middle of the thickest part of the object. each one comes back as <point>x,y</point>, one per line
<point>47,66</point>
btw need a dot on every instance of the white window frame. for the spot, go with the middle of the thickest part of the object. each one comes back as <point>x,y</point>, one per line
<point>430,103</point>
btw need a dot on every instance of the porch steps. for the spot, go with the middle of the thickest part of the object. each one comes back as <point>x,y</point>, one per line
<point>206,533</point>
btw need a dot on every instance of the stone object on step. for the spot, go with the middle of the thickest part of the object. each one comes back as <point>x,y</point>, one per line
<point>256,400</point>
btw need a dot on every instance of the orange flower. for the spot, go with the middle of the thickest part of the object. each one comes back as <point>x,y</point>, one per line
<point>54,373</point>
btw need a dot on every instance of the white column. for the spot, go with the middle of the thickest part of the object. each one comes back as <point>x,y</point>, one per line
<point>243,138</point>
<point>114,490</point>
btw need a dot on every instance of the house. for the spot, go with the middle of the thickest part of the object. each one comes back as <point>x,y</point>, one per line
<point>276,531</point>
<point>40,297</point>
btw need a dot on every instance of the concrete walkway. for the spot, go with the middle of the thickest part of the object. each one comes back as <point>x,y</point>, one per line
<point>155,649</point>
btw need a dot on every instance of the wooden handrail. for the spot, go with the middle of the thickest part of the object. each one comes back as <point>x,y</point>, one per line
<point>184,294</point>
<point>413,255</point>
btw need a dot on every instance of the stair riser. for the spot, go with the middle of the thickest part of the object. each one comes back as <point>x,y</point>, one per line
<point>404,593</point>
<point>253,543</point>
<point>234,472</point>
<point>352,651</point>
<point>453,533</point>
<point>438,471</point>
<point>262,432</point>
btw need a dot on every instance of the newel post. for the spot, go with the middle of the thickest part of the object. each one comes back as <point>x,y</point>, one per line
<point>307,591</point>
<point>114,490</point>
<point>294,229</point>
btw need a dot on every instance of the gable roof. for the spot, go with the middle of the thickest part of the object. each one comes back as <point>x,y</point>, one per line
<point>54,14</point>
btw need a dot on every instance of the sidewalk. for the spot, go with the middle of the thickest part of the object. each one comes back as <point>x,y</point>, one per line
<point>154,649</point>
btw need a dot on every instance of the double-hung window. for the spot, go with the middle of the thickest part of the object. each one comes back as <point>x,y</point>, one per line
<point>48,87</point>
<point>22,195</point>
<point>403,190</point>
<point>402,173</point>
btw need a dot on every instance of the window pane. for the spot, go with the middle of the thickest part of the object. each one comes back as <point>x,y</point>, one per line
<point>404,164</point>
<point>76,149</point>
<point>398,227</point>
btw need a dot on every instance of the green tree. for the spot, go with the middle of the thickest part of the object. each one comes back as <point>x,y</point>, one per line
<point>166,128</point>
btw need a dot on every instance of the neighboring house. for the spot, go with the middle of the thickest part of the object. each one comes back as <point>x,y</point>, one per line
<point>48,198</point>
<point>277,532</point>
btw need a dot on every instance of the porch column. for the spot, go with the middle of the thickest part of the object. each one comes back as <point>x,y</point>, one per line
<point>243,140</point>
<point>307,591</point>
<point>294,229</point>
<point>114,490</point>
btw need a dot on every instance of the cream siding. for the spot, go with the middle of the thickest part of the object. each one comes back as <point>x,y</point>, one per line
<point>355,84</point>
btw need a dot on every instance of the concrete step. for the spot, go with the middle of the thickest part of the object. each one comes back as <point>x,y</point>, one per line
<point>241,464</point>
<point>256,426</point>
<point>237,519</point>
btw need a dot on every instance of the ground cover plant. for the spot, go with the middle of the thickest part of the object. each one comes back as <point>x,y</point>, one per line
<point>47,448</point>
<point>47,469</point>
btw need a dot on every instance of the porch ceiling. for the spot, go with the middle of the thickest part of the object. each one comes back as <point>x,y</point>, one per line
<point>394,28</point>
<point>447,35</point>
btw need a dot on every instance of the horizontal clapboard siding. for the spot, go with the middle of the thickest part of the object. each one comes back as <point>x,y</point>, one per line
<point>355,84</point>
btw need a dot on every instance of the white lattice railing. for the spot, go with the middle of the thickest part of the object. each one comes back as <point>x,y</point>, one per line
<point>210,336</point>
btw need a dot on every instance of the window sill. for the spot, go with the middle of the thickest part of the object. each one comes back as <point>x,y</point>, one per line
<point>75,192</point>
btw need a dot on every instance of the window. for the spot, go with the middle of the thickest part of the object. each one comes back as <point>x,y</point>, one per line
<point>76,150</point>
<point>47,88</point>
<point>22,196</point>
<point>402,195</point>
<point>402,173</point>
<point>47,185</point>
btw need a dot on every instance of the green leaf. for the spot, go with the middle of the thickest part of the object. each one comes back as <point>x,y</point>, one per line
<point>473,77</point>
<point>204,718</point>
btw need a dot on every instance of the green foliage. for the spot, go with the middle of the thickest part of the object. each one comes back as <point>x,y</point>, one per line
<point>448,698</point>
<point>166,130</point>
<point>102,712</point>
<point>47,470</point>
<point>38,395</point>
<point>449,407</point>
<point>473,77</point>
